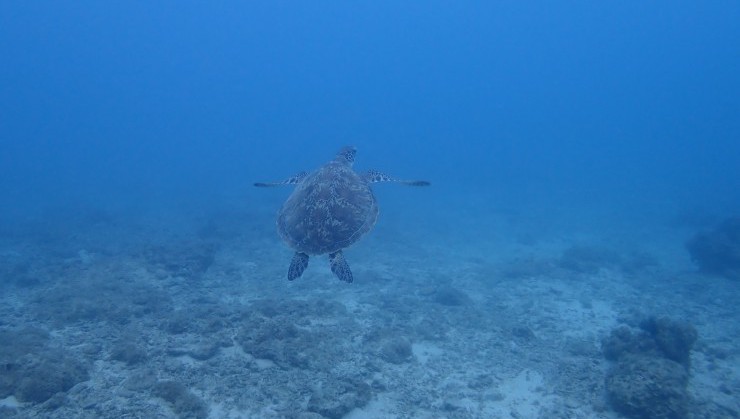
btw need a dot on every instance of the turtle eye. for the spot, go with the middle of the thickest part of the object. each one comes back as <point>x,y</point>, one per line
<point>348,153</point>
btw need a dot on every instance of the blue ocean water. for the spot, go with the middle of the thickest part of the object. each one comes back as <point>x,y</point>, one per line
<point>625,100</point>
<point>562,140</point>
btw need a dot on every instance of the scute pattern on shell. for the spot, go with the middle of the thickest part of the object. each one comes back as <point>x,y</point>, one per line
<point>331,209</point>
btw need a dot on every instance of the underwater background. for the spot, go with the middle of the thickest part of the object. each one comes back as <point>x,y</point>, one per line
<point>577,254</point>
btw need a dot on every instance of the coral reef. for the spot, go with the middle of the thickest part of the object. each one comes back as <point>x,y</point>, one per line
<point>673,338</point>
<point>278,331</point>
<point>583,259</point>
<point>718,252</point>
<point>335,399</point>
<point>278,340</point>
<point>183,402</point>
<point>650,377</point>
<point>188,261</point>
<point>32,370</point>
<point>205,317</point>
<point>450,296</point>
<point>623,340</point>
<point>94,296</point>
<point>17,271</point>
<point>128,352</point>
<point>588,259</point>
<point>643,386</point>
<point>16,344</point>
<point>396,350</point>
<point>51,373</point>
<point>165,324</point>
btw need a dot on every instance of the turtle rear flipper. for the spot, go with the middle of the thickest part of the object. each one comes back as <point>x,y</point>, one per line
<point>293,180</point>
<point>340,267</point>
<point>297,265</point>
<point>374,176</point>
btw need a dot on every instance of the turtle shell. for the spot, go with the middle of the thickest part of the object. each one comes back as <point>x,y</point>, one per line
<point>330,210</point>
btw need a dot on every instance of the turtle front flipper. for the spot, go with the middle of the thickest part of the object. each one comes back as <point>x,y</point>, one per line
<point>293,180</point>
<point>373,176</point>
<point>340,267</point>
<point>297,265</point>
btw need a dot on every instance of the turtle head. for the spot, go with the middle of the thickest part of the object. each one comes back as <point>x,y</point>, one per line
<point>346,155</point>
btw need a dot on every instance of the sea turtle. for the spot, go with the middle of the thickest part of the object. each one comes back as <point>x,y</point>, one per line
<point>329,210</point>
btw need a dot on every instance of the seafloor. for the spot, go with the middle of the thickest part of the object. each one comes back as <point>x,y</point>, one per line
<point>467,315</point>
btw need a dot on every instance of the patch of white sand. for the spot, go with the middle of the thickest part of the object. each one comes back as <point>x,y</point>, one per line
<point>425,350</point>
<point>11,402</point>
<point>380,407</point>
<point>187,360</point>
<point>708,378</point>
<point>523,396</point>
<point>236,352</point>
<point>585,321</point>
<point>221,411</point>
<point>264,364</point>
